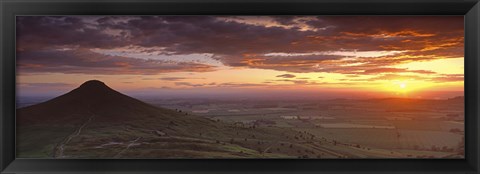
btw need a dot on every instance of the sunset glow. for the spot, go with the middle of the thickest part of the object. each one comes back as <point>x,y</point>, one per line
<point>378,56</point>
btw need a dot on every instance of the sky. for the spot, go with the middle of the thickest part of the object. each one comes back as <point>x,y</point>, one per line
<point>291,56</point>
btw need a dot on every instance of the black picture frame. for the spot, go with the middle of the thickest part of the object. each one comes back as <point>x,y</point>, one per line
<point>11,8</point>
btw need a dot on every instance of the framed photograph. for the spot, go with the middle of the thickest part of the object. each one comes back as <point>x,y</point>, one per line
<point>306,86</point>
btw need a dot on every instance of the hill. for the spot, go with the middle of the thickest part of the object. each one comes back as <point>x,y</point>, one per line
<point>91,98</point>
<point>95,121</point>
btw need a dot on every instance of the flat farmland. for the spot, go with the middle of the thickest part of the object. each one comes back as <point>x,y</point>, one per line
<point>389,128</point>
<point>426,139</point>
<point>379,138</point>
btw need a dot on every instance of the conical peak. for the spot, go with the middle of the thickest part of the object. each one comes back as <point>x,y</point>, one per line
<point>94,85</point>
<point>92,97</point>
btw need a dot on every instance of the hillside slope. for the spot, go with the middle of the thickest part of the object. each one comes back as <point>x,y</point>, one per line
<point>95,121</point>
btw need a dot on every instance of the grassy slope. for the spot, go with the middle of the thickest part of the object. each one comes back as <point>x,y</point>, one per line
<point>187,137</point>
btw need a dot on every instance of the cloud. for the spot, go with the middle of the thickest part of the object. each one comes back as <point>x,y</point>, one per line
<point>172,78</point>
<point>240,85</point>
<point>286,76</point>
<point>395,70</point>
<point>83,61</point>
<point>227,84</point>
<point>40,32</point>
<point>298,82</point>
<point>46,85</point>
<point>176,78</point>
<point>189,84</point>
<point>67,44</point>
<point>449,78</point>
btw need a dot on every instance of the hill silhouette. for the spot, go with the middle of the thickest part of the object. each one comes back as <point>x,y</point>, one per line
<point>91,98</point>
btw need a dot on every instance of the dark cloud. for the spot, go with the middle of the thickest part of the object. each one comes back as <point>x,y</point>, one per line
<point>204,34</point>
<point>285,20</point>
<point>37,32</point>
<point>239,85</point>
<point>172,78</point>
<point>298,82</point>
<point>236,44</point>
<point>190,84</point>
<point>88,62</point>
<point>286,76</point>
<point>176,78</point>
<point>228,84</point>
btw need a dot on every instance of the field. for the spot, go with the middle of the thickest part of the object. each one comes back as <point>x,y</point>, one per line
<point>393,128</point>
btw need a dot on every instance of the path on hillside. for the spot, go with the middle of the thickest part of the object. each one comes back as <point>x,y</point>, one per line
<point>268,148</point>
<point>328,151</point>
<point>126,148</point>
<point>61,148</point>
